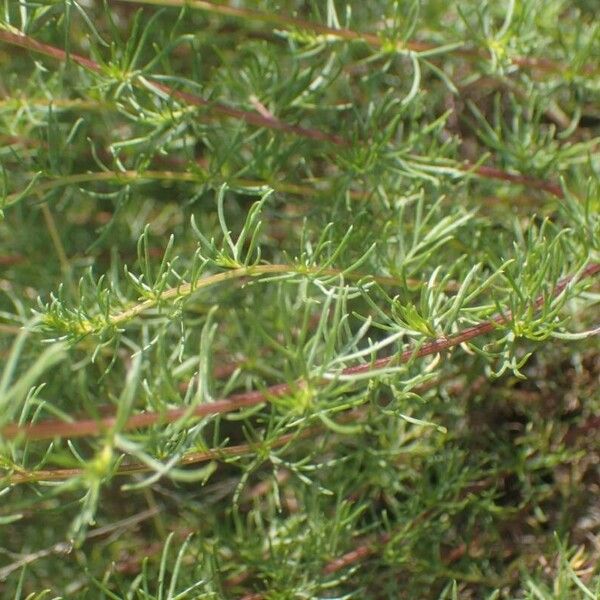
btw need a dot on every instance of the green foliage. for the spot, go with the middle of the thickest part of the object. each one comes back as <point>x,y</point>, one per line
<point>298,299</point>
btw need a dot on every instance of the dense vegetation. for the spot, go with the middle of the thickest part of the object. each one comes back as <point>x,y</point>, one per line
<point>299,299</point>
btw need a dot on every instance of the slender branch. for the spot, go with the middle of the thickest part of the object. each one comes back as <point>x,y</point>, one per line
<point>64,103</point>
<point>175,176</point>
<point>250,117</point>
<point>9,260</point>
<point>279,186</point>
<point>193,458</point>
<point>118,176</point>
<point>54,428</point>
<point>530,182</point>
<point>255,118</point>
<point>358,554</point>
<point>284,22</point>
<point>190,458</point>
<point>187,289</point>
<point>90,427</point>
<point>377,41</point>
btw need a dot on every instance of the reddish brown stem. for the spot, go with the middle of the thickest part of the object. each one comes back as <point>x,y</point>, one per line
<point>87,427</point>
<point>188,459</point>
<point>261,120</point>
<point>8,260</point>
<point>359,553</point>
<point>90,427</point>
<point>250,117</point>
<point>530,182</point>
<point>278,21</point>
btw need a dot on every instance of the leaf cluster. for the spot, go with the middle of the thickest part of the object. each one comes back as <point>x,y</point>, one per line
<point>299,299</point>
